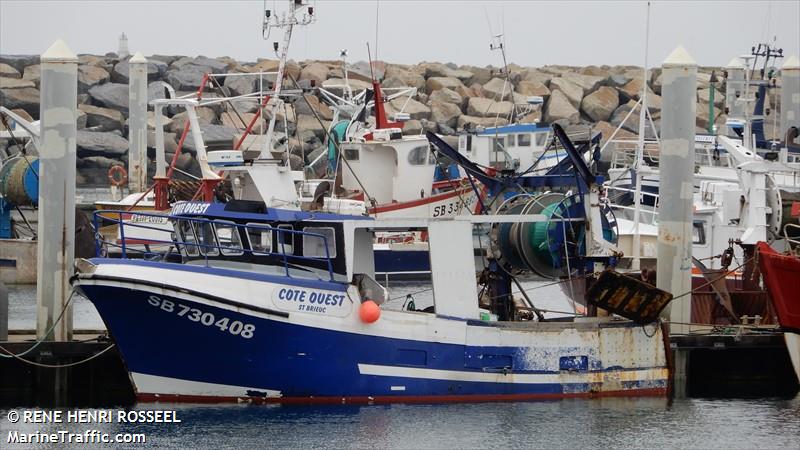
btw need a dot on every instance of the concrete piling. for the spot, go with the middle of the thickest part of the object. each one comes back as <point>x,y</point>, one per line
<point>56,226</point>
<point>790,95</point>
<point>676,185</point>
<point>137,132</point>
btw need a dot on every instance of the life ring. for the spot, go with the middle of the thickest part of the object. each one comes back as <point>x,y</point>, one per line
<point>117,176</point>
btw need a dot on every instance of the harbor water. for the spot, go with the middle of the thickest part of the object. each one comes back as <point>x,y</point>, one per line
<point>571,423</point>
<point>600,423</point>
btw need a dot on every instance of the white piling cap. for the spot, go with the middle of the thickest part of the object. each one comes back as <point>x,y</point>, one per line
<point>735,63</point>
<point>679,58</point>
<point>138,58</point>
<point>59,53</point>
<point>791,64</point>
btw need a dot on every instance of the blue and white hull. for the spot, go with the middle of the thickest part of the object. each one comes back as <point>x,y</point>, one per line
<point>215,335</point>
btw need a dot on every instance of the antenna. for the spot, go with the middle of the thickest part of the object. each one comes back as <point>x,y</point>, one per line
<point>498,44</point>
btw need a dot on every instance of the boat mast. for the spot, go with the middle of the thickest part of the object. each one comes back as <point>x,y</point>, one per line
<point>639,164</point>
<point>300,13</point>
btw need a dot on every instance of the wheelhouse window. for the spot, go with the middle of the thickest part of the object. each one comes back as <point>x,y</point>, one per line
<point>699,232</point>
<point>230,243</point>
<point>187,238</point>
<point>498,144</point>
<point>314,245</point>
<point>260,238</point>
<point>351,154</point>
<point>541,139</point>
<point>419,156</point>
<point>205,238</point>
<point>285,240</point>
<point>524,140</point>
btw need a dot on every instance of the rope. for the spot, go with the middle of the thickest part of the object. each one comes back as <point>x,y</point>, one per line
<point>59,366</point>
<point>53,327</point>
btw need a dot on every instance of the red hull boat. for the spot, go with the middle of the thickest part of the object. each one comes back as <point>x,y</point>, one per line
<point>782,277</point>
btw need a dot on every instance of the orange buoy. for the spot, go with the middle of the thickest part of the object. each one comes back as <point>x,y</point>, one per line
<point>117,175</point>
<point>369,311</point>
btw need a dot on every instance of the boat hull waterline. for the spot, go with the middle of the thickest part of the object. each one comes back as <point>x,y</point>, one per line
<point>183,343</point>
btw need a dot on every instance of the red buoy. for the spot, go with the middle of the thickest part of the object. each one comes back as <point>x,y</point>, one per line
<point>369,311</point>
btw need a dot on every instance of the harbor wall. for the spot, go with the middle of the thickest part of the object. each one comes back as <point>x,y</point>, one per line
<point>449,98</point>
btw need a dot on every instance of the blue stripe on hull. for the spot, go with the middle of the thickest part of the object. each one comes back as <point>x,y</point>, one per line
<point>298,361</point>
<point>393,261</point>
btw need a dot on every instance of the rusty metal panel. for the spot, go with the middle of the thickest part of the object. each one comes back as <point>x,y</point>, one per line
<point>628,297</point>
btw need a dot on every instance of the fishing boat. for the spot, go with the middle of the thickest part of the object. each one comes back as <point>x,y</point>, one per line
<point>281,306</point>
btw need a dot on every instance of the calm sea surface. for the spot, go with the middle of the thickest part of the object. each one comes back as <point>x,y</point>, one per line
<point>575,423</point>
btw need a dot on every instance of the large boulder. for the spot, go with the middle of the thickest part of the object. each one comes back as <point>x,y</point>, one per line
<point>537,76</point>
<point>560,109</point>
<point>97,61</point>
<point>111,95</point>
<point>155,70</point>
<point>480,75</point>
<point>436,83</point>
<point>570,90</point>
<point>19,62</point>
<point>209,65</point>
<point>498,89</point>
<point>632,123</point>
<point>292,69</point>
<point>306,123</point>
<point>15,83</point>
<point>186,78</point>
<point>413,108</point>
<point>97,162</point>
<point>704,96</point>
<point>166,59</point>
<point>589,83</point>
<point>445,113</point>
<point>595,71</point>
<point>531,88</point>
<point>316,72</point>
<point>486,107</point>
<point>102,119</point>
<point>407,77</point>
<point>447,96</point>
<point>617,80</point>
<point>233,120</point>
<point>93,143</point>
<point>600,104</point>
<point>702,118</point>
<point>9,71</point>
<point>607,130</point>
<point>215,137</point>
<point>90,76</point>
<point>241,84</point>
<point>310,103</point>
<point>26,98</point>
<point>205,115</point>
<point>633,90</point>
<point>466,122</point>
<point>436,70</point>
<point>412,127</point>
<point>33,73</point>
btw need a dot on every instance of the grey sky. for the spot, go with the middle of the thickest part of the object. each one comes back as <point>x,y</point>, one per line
<point>537,33</point>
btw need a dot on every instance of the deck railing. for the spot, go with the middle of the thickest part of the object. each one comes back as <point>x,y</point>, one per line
<point>165,236</point>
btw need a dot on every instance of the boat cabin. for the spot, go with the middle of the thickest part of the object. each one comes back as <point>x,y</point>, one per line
<point>388,169</point>
<point>512,147</point>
